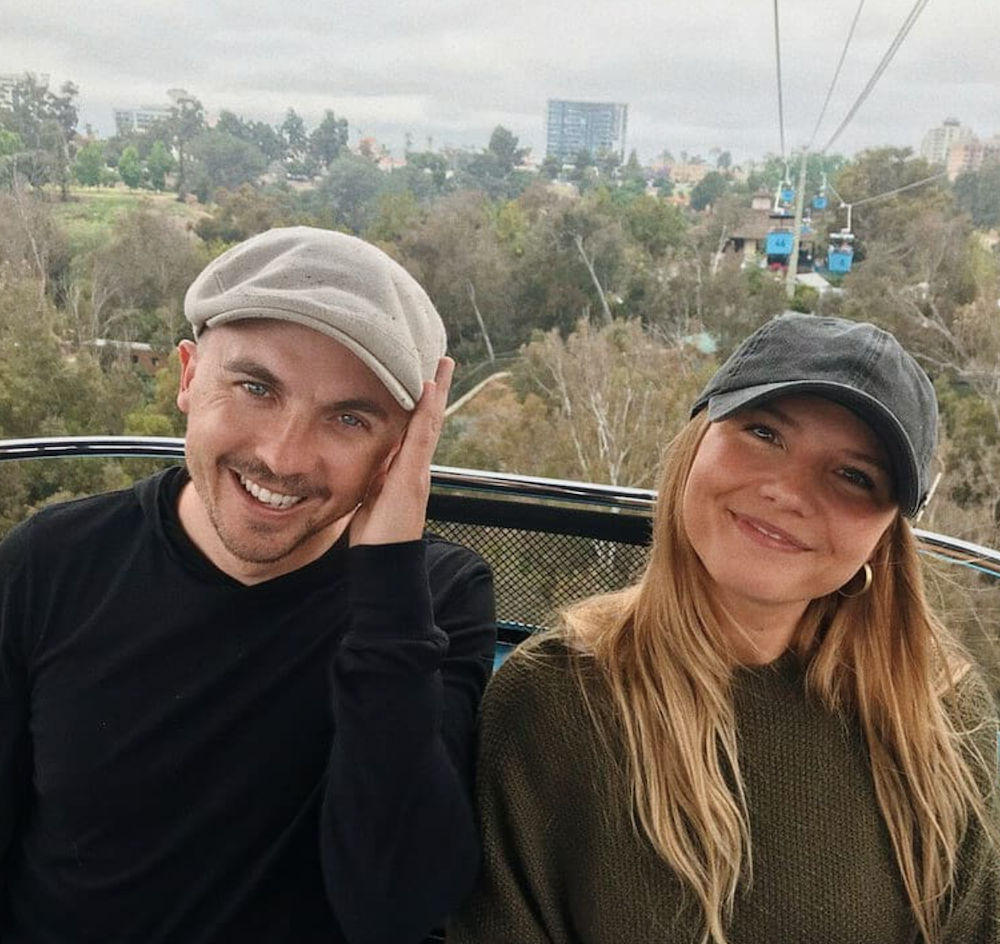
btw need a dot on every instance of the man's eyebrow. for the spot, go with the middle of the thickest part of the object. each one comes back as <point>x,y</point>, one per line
<point>253,369</point>
<point>359,405</point>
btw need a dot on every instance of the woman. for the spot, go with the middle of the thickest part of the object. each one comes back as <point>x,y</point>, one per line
<point>770,738</point>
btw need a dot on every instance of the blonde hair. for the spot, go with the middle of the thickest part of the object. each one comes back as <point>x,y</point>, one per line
<point>668,665</point>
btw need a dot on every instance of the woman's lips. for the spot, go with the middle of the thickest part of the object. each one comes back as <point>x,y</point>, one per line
<point>767,534</point>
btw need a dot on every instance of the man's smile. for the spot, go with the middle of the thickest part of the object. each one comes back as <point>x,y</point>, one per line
<point>266,496</point>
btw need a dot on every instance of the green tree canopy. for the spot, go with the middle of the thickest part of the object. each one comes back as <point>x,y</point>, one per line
<point>130,168</point>
<point>328,138</point>
<point>89,163</point>
<point>709,189</point>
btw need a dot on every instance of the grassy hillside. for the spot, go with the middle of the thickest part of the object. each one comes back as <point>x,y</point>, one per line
<point>86,219</point>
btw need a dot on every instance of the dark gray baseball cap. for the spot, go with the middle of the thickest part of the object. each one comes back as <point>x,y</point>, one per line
<point>852,363</point>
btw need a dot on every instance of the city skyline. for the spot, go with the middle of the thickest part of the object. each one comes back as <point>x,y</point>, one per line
<point>694,79</point>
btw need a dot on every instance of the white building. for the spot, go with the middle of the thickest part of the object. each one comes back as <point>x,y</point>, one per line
<point>938,141</point>
<point>9,81</point>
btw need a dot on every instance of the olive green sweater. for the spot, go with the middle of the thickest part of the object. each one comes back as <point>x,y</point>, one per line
<point>564,865</point>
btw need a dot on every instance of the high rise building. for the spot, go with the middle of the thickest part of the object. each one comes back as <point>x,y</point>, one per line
<point>572,127</point>
<point>11,81</point>
<point>971,154</point>
<point>145,116</point>
<point>938,141</point>
<point>128,120</point>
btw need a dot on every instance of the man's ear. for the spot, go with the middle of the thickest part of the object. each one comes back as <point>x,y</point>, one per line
<point>188,353</point>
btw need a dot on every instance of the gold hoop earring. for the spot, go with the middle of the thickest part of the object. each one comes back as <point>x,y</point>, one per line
<point>869,577</point>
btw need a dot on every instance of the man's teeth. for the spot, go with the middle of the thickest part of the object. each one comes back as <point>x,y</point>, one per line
<point>267,497</point>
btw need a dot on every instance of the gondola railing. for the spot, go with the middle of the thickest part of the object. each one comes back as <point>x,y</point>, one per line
<point>549,541</point>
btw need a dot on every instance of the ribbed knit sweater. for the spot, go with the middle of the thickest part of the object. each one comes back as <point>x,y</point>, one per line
<point>564,865</point>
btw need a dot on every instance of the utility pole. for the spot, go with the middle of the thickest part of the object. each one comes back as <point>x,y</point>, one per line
<point>793,260</point>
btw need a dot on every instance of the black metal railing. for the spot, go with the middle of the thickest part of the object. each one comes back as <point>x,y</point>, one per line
<point>549,541</point>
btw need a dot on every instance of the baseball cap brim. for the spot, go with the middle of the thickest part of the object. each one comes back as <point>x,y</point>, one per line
<point>902,455</point>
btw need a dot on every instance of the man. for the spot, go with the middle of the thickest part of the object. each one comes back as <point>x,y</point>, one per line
<point>237,700</point>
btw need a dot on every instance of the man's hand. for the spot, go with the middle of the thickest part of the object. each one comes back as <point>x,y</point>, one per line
<point>395,508</point>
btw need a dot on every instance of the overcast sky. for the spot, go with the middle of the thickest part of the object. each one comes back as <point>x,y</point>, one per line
<point>696,74</point>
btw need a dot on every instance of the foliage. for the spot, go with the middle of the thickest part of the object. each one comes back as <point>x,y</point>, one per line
<point>350,191</point>
<point>159,163</point>
<point>186,122</point>
<point>45,123</point>
<point>130,168</point>
<point>89,163</point>
<point>224,160</point>
<point>599,406</point>
<point>494,170</point>
<point>328,139</point>
<point>42,392</point>
<point>978,194</point>
<point>709,189</point>
<point>240,214</point>
<point>137,280</point>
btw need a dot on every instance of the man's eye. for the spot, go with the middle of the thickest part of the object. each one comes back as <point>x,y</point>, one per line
<point>349,419</point>
<point>255,388</point>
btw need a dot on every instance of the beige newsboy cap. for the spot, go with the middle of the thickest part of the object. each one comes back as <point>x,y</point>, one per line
<point>336,284</point>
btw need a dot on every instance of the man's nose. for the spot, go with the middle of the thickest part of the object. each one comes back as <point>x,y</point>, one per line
<point>285,443</point>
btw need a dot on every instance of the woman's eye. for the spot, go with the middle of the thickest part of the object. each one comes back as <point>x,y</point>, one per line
<point>255,388</point>
<point>859,478</point>
<point>760,431</point>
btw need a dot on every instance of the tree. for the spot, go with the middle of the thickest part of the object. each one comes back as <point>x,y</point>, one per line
<point>657,226</point>
<point>10,146</point>
<point>328,139</point>
<point>583,173</point>
<point>61,128</point>
<point>597,406</point>
<point>398,213</point>
<point>350,191</point>
<point>978,194</point>
<point>456,251</point>
<point>503,146</point>
<point>426,175</point>
<point>187,120</point>
<point>225,161</point>
<point>89,164</point>
<point>240,214</point>
<point>608,164</point>
<point>551,167</point>
<point>45,123</point>
<point>138,279</point>
<point>44,392</point>
<point>159,163</point>
<point>494,170</point>
<point>30,240</point>
<point>293,128</point>
<point>704,193</point>
<point>633,175</point>
<point>130,168</point>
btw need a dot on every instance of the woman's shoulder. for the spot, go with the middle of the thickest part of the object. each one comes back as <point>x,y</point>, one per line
<point>545,685</point>
<point>968,700</point>
<point>537,669</point>
<point>972,711</point>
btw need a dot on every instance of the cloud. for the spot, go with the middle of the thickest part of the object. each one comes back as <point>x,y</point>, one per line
<point>695,76</point>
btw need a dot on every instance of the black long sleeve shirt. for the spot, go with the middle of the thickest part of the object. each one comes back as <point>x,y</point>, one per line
<point>184,758</point>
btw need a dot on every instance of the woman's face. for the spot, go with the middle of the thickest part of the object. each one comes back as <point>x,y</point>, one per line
<point>784,503</point>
